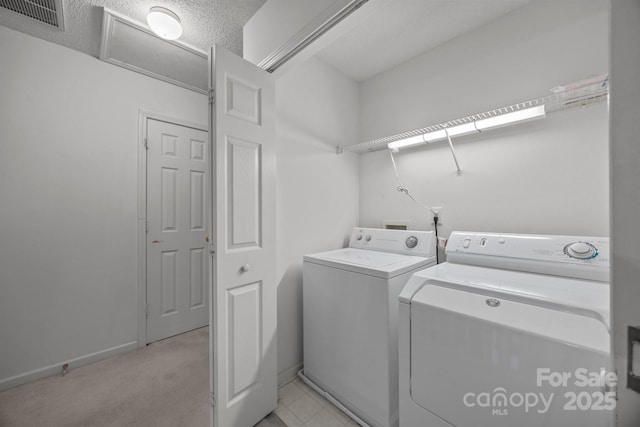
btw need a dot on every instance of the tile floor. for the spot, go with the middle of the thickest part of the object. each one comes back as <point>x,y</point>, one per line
<point>299,405</point>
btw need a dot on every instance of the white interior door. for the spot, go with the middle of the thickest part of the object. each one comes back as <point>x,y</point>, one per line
<point>625,205</point>
<point>244,277</point>
<point>177,214</point>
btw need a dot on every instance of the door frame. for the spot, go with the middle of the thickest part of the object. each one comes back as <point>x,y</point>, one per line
<point>143,117</point>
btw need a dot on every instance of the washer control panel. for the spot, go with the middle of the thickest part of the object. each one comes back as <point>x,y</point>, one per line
<point>410,242</point>
<point>569,256</point>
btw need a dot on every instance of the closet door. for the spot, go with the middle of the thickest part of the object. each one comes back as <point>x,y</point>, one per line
<point>244,277</point>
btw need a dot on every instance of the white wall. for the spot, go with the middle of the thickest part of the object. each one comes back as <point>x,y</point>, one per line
<point>317,196</point>
<point>625,193</point>
<point>68,186</point>
<point>548,176</point>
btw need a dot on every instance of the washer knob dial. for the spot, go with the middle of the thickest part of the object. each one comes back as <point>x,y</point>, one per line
<point>581,250</point>
<point>368,238</point>
<point>411,242</point>
<point>359,237</point>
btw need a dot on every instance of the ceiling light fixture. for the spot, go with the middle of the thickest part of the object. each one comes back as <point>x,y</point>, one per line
<point>472,127</point>
<point>164,23</point>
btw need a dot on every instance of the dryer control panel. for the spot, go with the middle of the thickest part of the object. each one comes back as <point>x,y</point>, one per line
<point>568,256</point>
<point>409,242</point>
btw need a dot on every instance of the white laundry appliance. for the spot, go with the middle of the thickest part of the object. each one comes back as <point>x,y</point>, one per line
<point>511,331</point>
<point>350,302</point>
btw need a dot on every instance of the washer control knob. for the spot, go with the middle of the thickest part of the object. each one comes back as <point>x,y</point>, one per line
<point>581,250</point>
<point>411,242</point>
<point>359,237</point>
<point>368,238</point>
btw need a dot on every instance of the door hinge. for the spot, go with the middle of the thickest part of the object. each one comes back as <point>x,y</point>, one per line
<point>633,346</point>
<point>146,143</point>
<point>212,399</point>
<point>212,96</point>
<point>146,311</point>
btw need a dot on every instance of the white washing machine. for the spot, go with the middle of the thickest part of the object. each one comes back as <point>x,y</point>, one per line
<point>350,302</point>
<point>513,330</point>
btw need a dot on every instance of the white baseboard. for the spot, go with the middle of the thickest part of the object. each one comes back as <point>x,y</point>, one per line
<point>289,374</point>
<point>56,368</point>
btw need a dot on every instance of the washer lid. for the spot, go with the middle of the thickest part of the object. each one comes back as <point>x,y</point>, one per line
<point>584,296</point>
<point>374,263</point>
<point>365,258</point>
<point>560,322</point>
<point>476,358</point>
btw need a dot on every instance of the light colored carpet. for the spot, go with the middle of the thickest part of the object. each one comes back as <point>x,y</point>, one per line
<point>163,384</point>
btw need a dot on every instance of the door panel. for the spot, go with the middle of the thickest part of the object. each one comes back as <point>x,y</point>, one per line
<point>198,205</point>
<point>244,280</point>
<point>243,100</point>
<point>244,353</point>
<point>177,211</point>
<point>168,198</point>
<point>199,280</point>
<point>169,280</point>
<point>244,189</point>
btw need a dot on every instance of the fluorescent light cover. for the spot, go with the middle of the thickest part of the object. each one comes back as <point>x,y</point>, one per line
<point>430,137</point>
<point>434,136</point>
<point>462,129</point>
<point>164,23</point>
<point>508,118</point>
<point>471,127</point>
<point>407,142</point>
<point>458,130</point>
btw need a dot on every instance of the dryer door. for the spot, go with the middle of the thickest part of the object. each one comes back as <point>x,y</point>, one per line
<point>481,360</point>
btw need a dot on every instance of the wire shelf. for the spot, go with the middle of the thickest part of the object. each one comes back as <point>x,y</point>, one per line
<point>575,95</point>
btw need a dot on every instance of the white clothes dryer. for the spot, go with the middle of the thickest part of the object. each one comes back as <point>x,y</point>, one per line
<point>513,330</point>
<point>350,302</point>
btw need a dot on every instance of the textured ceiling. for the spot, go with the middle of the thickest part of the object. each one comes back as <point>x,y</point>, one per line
<point>204,22</point>
<point>398,30</point>
<point>394,31</point>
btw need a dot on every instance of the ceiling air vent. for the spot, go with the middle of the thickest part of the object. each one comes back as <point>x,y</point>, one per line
<point>45,11</point>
